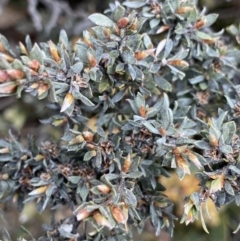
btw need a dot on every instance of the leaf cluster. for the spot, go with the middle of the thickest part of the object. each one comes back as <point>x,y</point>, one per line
<point>163,88</point>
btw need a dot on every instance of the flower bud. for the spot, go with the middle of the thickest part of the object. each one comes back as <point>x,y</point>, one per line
<point>88,136</point>
<point>127,163</point>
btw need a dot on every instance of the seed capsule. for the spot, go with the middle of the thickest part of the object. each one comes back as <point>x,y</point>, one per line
<point>123,22</point>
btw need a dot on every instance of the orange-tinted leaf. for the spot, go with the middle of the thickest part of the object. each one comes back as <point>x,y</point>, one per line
<point>38,191</point>
<point>142,111</point>
<point>163,28</point>
<point>4,76</point>
<point>101,220</point>
<point>8,87</point>
<point>23,48</point>
<point>183,10</point>
<point>7,57</point>
<point>54,51</point>
<point>217,184</point>
<point>199,24</point>
<point>92,60</point>
<point>143,54</point>
<point>182,164</point>
<point>77,140</point>
<point>34,65</point>
<point>104,188</point>
<point>67,102</point>
<point>193,158</point>
<point>82,214</point>
<point>4,150</point>
<point>15,73</point>
<point>88,136</point>
<point>127,163</point>
<point>178,63</point>
<point>134,25</point>
<point>42,89</point>
<point>119,216</point>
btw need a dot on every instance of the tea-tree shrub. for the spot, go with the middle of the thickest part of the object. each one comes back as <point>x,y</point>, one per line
<point>164,91</point>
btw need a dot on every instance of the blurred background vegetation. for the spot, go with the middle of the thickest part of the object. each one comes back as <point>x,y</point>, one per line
<point>42,20</point>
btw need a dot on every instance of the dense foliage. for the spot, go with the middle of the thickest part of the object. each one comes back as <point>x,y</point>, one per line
<point>164,91</point>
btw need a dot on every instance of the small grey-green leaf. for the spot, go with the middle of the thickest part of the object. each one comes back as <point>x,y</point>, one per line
<point>210,19</point>
<point>118,96</point>
<point>101,20</point>
<point>74,179</point>
<point>139,101</point>
<point>119,12</point>
<point>130,198</point>
<point>134,4</point>
<point>150,127</point>
<point>162,83</point>
<point>89,155</point>
<point>84,99</point>
<point>203,145</point>
<point>228,188</point>
<point>134,175</point>
<point>36,53</point>
<point>235,169</point>
<point>226,149</point>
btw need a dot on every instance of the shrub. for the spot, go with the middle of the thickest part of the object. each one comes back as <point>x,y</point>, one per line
<point>164,90</point>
